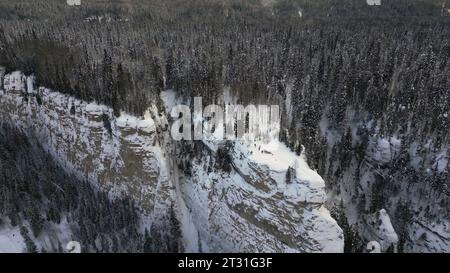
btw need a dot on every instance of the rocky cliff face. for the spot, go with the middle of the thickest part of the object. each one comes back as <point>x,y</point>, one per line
<point>120,156</point>
<point>248,207</point>
<point>253,207</point>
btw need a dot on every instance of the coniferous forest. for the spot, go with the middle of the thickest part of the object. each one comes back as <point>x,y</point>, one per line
<point>349,78</point>
<point>37,191</point>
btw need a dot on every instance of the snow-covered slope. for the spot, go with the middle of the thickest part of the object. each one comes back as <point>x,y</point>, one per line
<point>388,189</point>
<point>249,208</point>
<point>10,240</point>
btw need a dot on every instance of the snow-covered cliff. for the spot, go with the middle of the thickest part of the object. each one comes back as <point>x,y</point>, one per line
<point>119,155</point>
<point>251,207</point>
